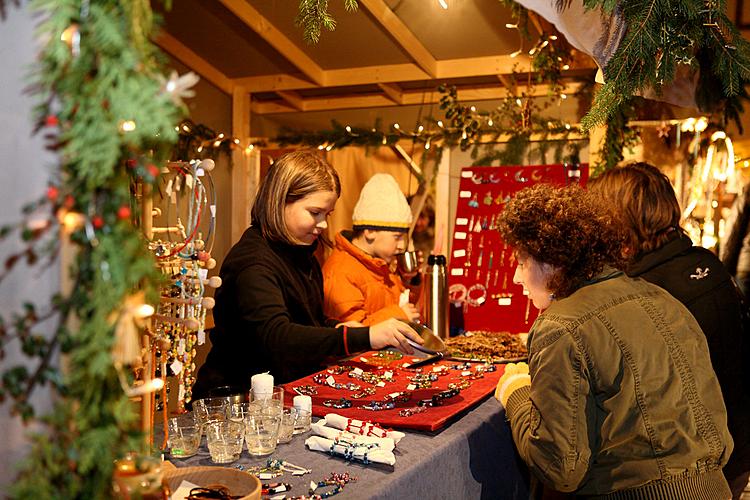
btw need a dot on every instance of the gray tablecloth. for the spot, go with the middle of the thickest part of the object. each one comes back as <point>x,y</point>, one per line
<point>472,458</point>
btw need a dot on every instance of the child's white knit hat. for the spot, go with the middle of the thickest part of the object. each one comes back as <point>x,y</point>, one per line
<point>382,206</point>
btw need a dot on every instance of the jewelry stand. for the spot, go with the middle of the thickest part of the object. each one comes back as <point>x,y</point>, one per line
<point>481,266</point>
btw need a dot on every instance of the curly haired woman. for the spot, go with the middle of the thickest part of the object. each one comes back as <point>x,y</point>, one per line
<point>619,399</point>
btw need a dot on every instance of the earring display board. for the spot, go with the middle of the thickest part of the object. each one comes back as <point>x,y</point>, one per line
<point>481,265</point>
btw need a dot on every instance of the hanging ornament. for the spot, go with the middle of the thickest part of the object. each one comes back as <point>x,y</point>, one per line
<point>179,87</point>
<point>72,38</point>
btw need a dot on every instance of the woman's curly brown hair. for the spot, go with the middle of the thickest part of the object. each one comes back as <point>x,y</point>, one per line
<point>565,227</point>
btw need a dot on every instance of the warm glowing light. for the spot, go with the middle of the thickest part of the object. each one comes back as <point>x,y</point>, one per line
<point>566,67</point>
<point>567,126</point>
<point>443,4</point>
<point>511,26</point>
<point>396,126</point>
<point>221,136</point>
<point>217,144</point>
<point>519,102</point>
<point>329,147</point>
<point>420,129</point>
<point>440,123</point>
<point>186,128</point>
<point>322,147</point>
<point>177,129</point>
<point>236,141</point>
<point>348,129</point>
<point>127,126</point>
<point>702,124</point>
<point>200,148</point>
<point>553,37</point>
<point>516,53</point>
<point>490,122</point>
<point>563,96</point>
<point>71,220</point>
<point>717,135</point>
<point>144,311</point>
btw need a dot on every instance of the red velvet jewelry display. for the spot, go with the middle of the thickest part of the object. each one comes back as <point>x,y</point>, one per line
<point>432,418</point>
<point>481,265</point>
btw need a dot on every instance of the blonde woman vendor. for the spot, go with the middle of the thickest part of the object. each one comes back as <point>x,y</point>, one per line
<point>359,283</point>
<point>269,309</point>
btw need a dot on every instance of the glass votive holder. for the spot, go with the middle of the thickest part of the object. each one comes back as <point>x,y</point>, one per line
<point>237,412</point>
<point>286,425</point>
<point>262,432</point>
<point>224,439</point>
<point>208,409</point>
<point>184,437</point>
<point>271,401</point>
<point>137,476</point>
<point>302,420</point>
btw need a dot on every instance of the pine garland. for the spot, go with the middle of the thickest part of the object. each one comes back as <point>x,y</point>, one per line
<point>660,37</point>
<point>313,16</point>
<point>102,103</point>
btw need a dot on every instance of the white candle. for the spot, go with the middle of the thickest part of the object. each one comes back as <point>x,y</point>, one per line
<point>262,385</point>
<point>302,402</point>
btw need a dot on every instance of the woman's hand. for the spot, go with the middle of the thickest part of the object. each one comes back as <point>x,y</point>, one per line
<point>412,314</point>
<point>393,332</point>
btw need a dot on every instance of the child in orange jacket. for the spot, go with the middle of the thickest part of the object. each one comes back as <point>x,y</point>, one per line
<point>358,282</point>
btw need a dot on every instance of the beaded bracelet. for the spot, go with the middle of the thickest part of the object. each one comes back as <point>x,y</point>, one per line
<point>408,412</point>
<point>367,391</point>
<point>437,399</point>
<point>397,397</point>
<point>478,300</point>
<point>338,481</point>
<point>350,449</point>
<point>378,405</point>
<point>339,369</point>
<point>306,390</point>
<point>337,403</point>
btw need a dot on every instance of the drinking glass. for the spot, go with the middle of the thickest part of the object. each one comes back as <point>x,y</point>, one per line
<point>302,420</point>
<point>224,439</point>
<point>262,432</point>
<point>208,409</point>
<point>271,401</point>
<point>238,411</point>
<point>184,435</point>
<point>286,425</point>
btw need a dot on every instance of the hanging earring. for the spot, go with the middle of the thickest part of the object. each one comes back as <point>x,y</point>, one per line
<point>474,201</point>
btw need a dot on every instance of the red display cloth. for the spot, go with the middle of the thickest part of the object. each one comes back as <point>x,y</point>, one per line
<point>480,262</point>
<point>430,420</point>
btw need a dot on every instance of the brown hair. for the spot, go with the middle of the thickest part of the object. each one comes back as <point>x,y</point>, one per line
<point>292,177</point>
<point>642,197</point>
<point>566,228</point>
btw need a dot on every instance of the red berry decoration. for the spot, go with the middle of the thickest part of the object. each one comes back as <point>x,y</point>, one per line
<point>123,212</point>
<point>97,222</point>
<point>153,170</point>
<point>69,201</point>
<point>130,163</point>
<point>51,121</point>
<point>52,193</point>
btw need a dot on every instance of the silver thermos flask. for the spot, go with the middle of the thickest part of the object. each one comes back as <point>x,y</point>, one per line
<point>436,311</point>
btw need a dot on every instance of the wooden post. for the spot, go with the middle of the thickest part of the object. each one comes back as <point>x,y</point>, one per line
<point>245,164</point>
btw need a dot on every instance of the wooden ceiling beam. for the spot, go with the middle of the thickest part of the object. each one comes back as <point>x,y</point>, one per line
<point>263,27</point>
<point>402,34</point>
<point>393,91</point>
<point>292,98</point>
<point>196,63</point>
<point>470,94</point>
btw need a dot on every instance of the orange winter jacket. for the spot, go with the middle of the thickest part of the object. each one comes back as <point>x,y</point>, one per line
<point>359,287</point>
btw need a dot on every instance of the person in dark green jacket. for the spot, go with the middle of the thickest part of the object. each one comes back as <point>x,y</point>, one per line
<point>619,399</point>
<point>660,252</point>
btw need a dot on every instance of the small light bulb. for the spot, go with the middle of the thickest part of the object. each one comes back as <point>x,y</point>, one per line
<point>519,102</point>
<point>221,136</point>
<point>348,129</point>
<point>186,128</point>
<point>566,67</point>
<point>127,126</point>
<point>440,123</point>
<point>396,126</point>
<point>420,129</point>
<point>144,311</point>
<point>511,26</point>
<point>490,122</point>
<point>217,144</point>
<point>236,141</point>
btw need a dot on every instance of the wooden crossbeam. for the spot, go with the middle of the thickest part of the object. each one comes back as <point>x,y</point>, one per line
<point>263,27</point>
<point>182,53</point>
<point>401,33</point>
<point>393,92</point>
<point>466,94</point>
<point>292,98</point>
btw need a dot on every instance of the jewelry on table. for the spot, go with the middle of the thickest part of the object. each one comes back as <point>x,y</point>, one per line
<point>365,428</point>
<point>367,391</point>
<point>337,403</point>
<point>338,481</point>
<point>474,201</point>
<point>457,293</point>
<point>378,405</point>
<point>339,369</point>
<point>460,385</point>
<point>397,397</point>
<point>437,399</point>
<point>388,355</point>
<point>488,198</point>
<point>271,488</point>
<point>408,412</point>
<point>305,390</point>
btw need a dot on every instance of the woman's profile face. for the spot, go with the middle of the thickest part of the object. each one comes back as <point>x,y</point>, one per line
<point>306,218</point>
<point>534,276</point>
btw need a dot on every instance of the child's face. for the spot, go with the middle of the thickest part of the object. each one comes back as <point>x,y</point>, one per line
<point>307,217</point>
<point>386,244</point>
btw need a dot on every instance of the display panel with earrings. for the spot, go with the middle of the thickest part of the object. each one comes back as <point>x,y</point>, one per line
<point>481,267</point>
